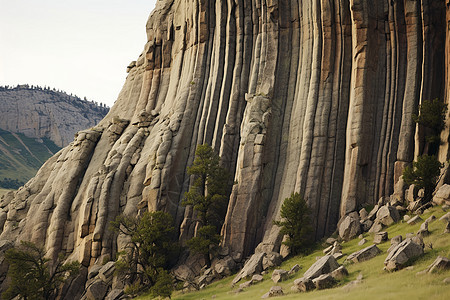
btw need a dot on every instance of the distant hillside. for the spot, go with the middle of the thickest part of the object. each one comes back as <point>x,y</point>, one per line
<point>35,123</point>
<point>47,113</point>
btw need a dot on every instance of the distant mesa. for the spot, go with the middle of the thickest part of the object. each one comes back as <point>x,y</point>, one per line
<point>35,123</point>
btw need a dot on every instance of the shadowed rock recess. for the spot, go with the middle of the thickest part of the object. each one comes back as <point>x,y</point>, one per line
<point>308,96</point>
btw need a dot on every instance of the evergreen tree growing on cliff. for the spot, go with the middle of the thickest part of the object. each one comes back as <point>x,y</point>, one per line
<point>424,173</point>
<point>31,275</point>
<point>295,224</point>
<point>153,245</point>
<point>208,197</point>
<point>432,116</point>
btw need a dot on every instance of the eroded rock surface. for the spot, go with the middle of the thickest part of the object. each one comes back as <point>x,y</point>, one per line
<point>289,94</point>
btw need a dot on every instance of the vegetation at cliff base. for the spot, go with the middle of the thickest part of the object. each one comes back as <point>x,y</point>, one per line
<point>208,197</point>
<point>424,173</point>
<point>33,276</point>
<point>151,250</point>
<point>376,283</point>
<point>295,224</point>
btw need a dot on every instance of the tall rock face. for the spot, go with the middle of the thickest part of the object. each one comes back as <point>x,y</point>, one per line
<point>312,97</point>
<point>44,113</point>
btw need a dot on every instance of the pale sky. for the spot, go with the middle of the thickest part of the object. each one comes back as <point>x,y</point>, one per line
<point>79,46</point>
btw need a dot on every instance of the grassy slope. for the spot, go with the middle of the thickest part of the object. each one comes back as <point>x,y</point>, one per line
<point>377,284</point>
<point>21,156</point>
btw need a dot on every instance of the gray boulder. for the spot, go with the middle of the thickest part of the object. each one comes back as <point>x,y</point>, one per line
<point>414,220</point>
<point>362,242</point>
<point>388,215</point>
<point>279,275</point>
<point>447,228</point>
<point>401,254</point>
<point>324,265</point>
<point>225,266</point>
<point>376,226</point>
<point>380,237</point>
<point>294,270</point>
<point>440,263</point>
<point>272,259</point>
<point>442,194</point>
<point>340,273</point>
<point>423,230</point>
<point>324,281</point>
<point>274,291</point>
<point>251,267</point>
<point>396,240</point>
<point>350,226</point>
<point>304,284</point>
<point>364,254</point>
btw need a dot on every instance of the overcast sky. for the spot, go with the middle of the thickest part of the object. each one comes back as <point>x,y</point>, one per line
<point>79,46</point>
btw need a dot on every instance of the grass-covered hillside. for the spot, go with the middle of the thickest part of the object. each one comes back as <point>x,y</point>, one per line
<point>21,157</point>
<point>376,283</point>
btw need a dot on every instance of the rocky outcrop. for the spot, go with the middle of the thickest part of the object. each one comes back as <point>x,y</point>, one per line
<point>312,97</point>
<point>45,113</point>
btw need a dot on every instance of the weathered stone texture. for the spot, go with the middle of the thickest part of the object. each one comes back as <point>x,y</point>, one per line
<point>312,97</point>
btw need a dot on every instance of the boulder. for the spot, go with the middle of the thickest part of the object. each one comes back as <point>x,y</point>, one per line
<point>225,266</point>
<point>324,265</point>
<point>373,213</point>
<point>380,237</point>
<point>272,259</point>
<point>366,225</point>
<point>430,219</point>
<point>304,284</point>
<point>362,242</point>
<point>115,294</point>
<point>330,240</point>
<point>324,281</point>
<point>338,255</point>
<point>251,267</point>
<point>279,275</point>
<point>350,226</point>
<point>447,228</point>
<point>364,254</point>
<point>414,220</point>
<point>402,254</point>
<point>257,278</point>
<point>376,227</point>
<point>423,231</point>
<point>274,291</point>
<point>442,194</point>
<point>245,284</point>
<point>340,273</point>
<point>327,249</point>
<point>96,291</point>
<point>440,263</point>
<point>406,218</point>
<point>396,240</point>
<point>294,270</point>
<point>445,218</point>
<point>388,215</point>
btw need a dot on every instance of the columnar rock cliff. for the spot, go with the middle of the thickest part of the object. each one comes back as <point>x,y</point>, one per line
<point>308,96</point>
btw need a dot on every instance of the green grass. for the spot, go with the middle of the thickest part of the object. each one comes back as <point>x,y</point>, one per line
<point>377,283</point>
<point>21,157</point>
